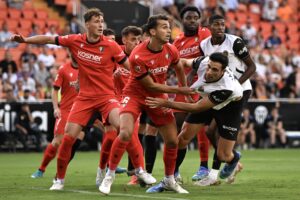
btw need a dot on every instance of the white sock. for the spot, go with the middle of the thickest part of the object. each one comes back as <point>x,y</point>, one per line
<point>213,173</point>
<point>111,172</point>
<point>138,170</point>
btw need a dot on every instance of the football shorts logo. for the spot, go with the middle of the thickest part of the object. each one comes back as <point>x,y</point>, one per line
<point>137,69</point>
<point>101,49</point>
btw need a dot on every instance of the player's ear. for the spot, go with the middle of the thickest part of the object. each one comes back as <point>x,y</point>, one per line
<point>87,25</point>
<point>123,40</point>
<point>152,31</point>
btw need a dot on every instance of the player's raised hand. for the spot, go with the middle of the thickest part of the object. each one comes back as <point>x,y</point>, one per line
<point>17,38</point>
<point>156,102</point>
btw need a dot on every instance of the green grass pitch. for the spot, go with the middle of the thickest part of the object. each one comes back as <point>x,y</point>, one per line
<point>267,174</point>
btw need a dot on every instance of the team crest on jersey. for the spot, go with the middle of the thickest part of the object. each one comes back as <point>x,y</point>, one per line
<point>101,49</point>
<point>137,68</point>
<point>196,39</point>
<point>71,74</point>
<point>182,43</point>
<point>152,62</point>
<point>136,56</point>
<point>167,56</point>
<point>81,45</point>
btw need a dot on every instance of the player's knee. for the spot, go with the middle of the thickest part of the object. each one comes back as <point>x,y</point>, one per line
<point>182,142</point>
<point>172,143</point>
<point>125,134</point>
<point>56,142</point>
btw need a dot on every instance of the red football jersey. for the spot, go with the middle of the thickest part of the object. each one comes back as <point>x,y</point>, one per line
<point>189,46</point>
<point>66,79</point>
<point>144,61</point>
<point>121,77</point>
<point>96,63</point>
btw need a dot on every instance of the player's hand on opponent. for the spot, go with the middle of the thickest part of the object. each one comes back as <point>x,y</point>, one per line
<point>186,90</point>
<point>17,38</point>
<point>57,113</point>
<point>189,99</point>
<point>156,102</point>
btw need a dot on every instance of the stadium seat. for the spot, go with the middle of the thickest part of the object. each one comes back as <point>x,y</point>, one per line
<point>241,17</point>
<point>25,24</point>
<point>41,14</point>
<point>52,22</point>
<point>23,32</point>
<point>16,53</point>
<point>294,38</point>
<point>242,8</point>
<point>28,14</point>
<point>14,13</point>
<point>1,22</point>
<point>3,5</point>
<point>3,13</point>
<point>254,17</point>
<point>266,27</point>
<point>40,23</point>
<point>280,27</point>
<point>282,37</point>
<point>230,16</point>
<point>61,2</point>
<point>292,28</point>
<point>22,46</point>
<point>293,45</point>
<point>13,25</point>
<point>61,54</point>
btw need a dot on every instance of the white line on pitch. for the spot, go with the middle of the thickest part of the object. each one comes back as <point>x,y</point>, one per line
<point>111,194</point>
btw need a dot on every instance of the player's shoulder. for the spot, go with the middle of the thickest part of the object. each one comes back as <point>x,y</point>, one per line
<point>232,38</point>
<point>178,38</point>
<point>203,30</point>
<point>205,41</point>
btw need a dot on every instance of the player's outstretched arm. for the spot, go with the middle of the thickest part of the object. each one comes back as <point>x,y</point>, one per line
<point>200,106</point>
<point>54,95</point>
<point>150,85</point>
<point>37,39</point>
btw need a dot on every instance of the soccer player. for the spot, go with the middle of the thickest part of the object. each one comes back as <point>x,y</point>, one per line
<point>243,67</point>
<point>96,56</point>
<point>150,61</point>
<point>188,44</point>
<point>221,97</point>
<point>65,81</point>
<point>130,37</point>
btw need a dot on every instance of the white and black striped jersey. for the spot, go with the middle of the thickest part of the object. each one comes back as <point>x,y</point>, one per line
<point>237,51</point>
<point>220,92</point>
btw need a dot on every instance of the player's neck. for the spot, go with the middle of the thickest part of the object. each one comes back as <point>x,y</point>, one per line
<point>92,38</point>
<point>189,33</point>
<point>217,40</point>
<point>154,45</point>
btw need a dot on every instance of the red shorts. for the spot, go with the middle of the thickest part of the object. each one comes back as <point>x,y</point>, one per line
<point>60,123</point>
<point>135,105</point>
<point>84,107</point>
<point>181,98</point>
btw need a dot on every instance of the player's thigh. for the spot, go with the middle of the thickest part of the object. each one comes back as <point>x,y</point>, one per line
<point>169,134</point>
<point>187,133</point>
<point>114,117</point>
<point>180,117</point>
<point>56,141</point>
<point>151,129</point>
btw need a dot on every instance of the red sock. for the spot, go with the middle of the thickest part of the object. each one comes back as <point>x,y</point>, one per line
<point>135,150</point>
<point>117,150</point>
<point>203,145</point>
<point>170,155</point>
<point>64,155</point>
<point>49,154</point>
<point>108,140</point>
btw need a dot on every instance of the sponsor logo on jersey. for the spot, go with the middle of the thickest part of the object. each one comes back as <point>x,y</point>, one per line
<point>89,57</point>
<point>188,51</point>
<point>159,70</point>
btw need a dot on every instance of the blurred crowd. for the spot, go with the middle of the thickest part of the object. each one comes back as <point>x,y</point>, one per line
<point>30,77</point>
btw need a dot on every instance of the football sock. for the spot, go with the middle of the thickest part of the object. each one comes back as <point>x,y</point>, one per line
<point>117,150</point>
<point>75,146</point>
<point>180,157</point>
<point>170,155</point>
<point>203,147</point>
<point>150,152</point>
<point>108,140</point>
<point>216,162</point>
<point>135,152</point>
<point>49,154</point>
<point>235,158</point>
<point>64,154</point>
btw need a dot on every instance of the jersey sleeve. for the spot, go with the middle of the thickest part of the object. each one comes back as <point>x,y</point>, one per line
<point>204,33</point>
<point>65,40</point>
<point>219,96</point>
<point>138,68</point>
<point>58,79</point>
<point>240,49</point>
<point>117,53</point>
